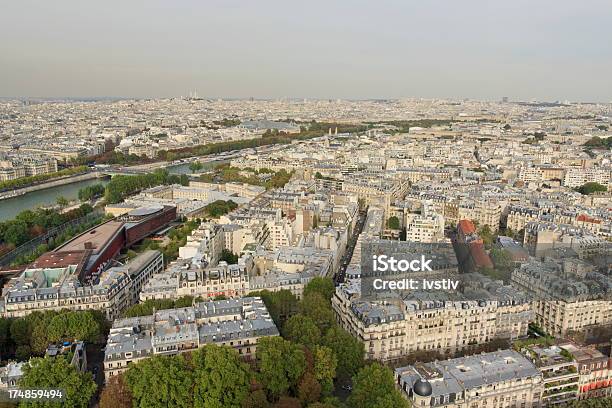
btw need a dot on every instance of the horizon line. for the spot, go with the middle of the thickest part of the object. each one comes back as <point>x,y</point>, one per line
<point>296,98</point>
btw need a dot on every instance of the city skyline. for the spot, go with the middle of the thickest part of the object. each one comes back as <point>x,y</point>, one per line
<point>549,51</point>
<point>342,204</point>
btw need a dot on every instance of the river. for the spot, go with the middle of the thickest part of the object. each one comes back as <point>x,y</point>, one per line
<point>184,168</point>
<point>9,208</point>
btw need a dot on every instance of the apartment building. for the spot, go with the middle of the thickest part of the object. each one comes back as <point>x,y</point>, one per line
<point>540,174</point>
<point>499,379</point>
<point>518,216</point>
<point>237,323</point>
<point>427,227</point>
<point>182,278</point>
<point>595,369</point>
<point>59,287</point>
<point>377,191</point>
<point>392,329</point>
<point>14,167</point>
<point>484,212</point>
<point>237,237</point>
<point>204,245</point>
<point>577,176</point>
<point>280,234</point>
<point>562,300</point>
<point>560,375</point>
<point>428,174</point>
<point>542,237</point>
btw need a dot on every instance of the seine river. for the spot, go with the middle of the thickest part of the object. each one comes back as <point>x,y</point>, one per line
<point>9,208</point>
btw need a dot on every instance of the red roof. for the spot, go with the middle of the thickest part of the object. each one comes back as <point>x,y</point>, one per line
<point>480,257</point>
<point>467,227</point>
<point>586,218</point>
<point>61,259</point>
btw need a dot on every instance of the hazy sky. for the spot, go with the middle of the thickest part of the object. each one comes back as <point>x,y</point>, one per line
<point>524,49</point>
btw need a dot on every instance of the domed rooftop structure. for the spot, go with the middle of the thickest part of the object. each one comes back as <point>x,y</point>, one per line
<point>422,388</point>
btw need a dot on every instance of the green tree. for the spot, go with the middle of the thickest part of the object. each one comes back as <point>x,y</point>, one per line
<point>393,223</point>
<point>281,364</point>
<point>302,330</point>
<point>183,301</point>
<point>184,180</point>
<point>15,232</point>
<point>121,186</point>
<point>502,259</point>
<point>83,325</point>
<point>161,381</point>
<point>597,142</point>
<point>325,364</point>
<point>58,373</point>
<point>315,306</point>
<point>287,402</point>
<point>219,207</point>
<point>91,192</point>
<point>6,343</point>
<point>229,257</point>
<point>62,201</point>
<point>20,331</point>
<point>321,405</point>
<point>591,188</point>
<point>222,380</point>
<point>256,399</point>
<point>348,351</point>
<point>57,328</point>
<point>195,166</point>
<point>281,304</point>
<point>604,402</point>
<point>373,386</point>
<point>487,236</point>
<point>323,286</point>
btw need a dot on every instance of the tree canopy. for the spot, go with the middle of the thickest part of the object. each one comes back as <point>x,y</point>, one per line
<point>121,186</point>
<point>161,381</point>
<point>221,379</point>
<point>393,222</point>
<point>91,192</point>
<point>591,188</point>
<point>317,308</point>
<point>349,351</point>
<point>28,336</point>
<point>57,373</point>
<point>281,364</point>
<point>302,330</point>
<point>323,286</point>
<point>220,207</point>
<point>373,386</point>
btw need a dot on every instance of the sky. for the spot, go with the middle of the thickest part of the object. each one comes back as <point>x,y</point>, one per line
<point>483,49</point>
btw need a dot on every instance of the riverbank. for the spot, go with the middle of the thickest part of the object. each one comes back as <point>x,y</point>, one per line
<point>50,184</point>
<point>10,207</point>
